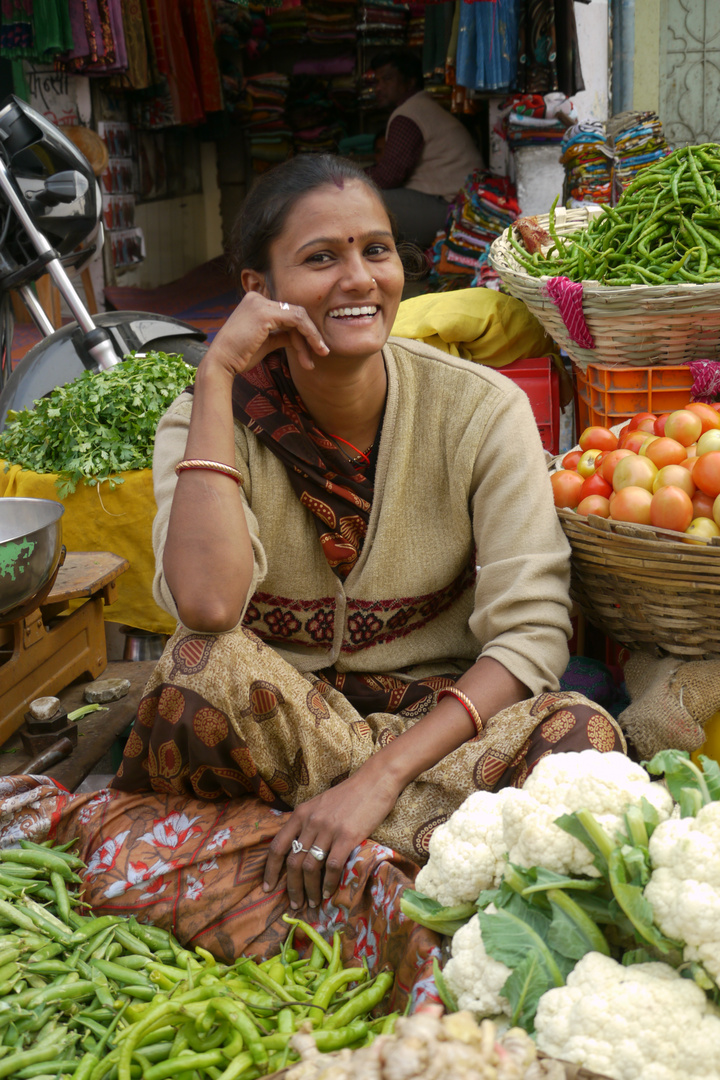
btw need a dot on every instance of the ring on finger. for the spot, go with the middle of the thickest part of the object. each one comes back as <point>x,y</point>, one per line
<point>297,848</point>
<point>284,306</point>
<point>317,853</point>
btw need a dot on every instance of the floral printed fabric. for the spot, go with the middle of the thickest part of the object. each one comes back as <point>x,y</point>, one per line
<point>226,715</point>
<point>195,868</point>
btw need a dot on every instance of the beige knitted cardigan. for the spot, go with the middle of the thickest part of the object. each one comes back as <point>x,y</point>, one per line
<point>464,553</point>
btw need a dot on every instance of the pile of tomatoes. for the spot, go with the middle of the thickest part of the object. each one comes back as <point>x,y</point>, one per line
<point>659,470</point>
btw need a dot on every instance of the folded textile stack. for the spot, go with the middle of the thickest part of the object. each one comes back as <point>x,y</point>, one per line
<point>331,20</point>
<point>588,163</point>
<point>416,26</point>
<point>263,111</point>
<point>601,159</point>
<point>485,206</point>
<point>534,118</point>
<point>382,23</point>
<point>638,142</point>
<point>287,25</point>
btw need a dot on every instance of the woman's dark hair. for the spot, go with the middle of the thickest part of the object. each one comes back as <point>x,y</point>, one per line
<point>268,206</point>
<point>270,202</point>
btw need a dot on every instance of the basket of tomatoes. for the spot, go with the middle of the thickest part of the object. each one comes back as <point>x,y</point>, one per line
<point>640,506</point>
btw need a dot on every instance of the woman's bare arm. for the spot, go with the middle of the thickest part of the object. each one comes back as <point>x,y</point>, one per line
<point>208,557</point>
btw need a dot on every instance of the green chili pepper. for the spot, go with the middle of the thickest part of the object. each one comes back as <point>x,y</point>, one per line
<point>361,1004</point>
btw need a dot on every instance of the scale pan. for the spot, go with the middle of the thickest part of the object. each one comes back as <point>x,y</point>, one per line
<point>30,552</point>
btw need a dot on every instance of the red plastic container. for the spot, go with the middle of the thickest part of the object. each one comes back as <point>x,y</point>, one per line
<point>540,380</point>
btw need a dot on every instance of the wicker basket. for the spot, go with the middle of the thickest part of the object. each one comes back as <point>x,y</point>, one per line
<point>639,325</point>
<point>646,588</point>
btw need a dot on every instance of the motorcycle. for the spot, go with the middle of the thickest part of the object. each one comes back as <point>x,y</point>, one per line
<point>51,220</point>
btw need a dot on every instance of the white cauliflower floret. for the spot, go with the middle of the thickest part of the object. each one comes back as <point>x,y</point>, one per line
<point>466,852</point>
<point>472,977</point>
<point>560,784</point>
<point>684,889</point>
<point>631,1022</point>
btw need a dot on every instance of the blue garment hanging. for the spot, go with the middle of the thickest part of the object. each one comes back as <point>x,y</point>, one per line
<point>488,44</point>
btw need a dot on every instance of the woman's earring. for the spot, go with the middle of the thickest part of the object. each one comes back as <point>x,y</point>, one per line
<point>374,281</point>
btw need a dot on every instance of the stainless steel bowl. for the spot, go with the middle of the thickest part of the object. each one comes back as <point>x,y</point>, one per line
<point>30,547</point>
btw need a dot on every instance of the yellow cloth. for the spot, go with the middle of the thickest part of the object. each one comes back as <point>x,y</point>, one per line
<point>475,324</point>
<point>119,521</point>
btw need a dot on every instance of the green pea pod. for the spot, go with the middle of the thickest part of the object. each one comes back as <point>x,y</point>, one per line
<point>132,943</point>
<point>85,1067</point>
<point>119,974</point>
<point>11,1065</point>
<point>88,928</point>
<point>55,852</point>
<point>40,859</point>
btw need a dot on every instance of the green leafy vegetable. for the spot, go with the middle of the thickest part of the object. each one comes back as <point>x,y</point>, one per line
<point>523,989</point>
<point>429,913</point>
<point>690,786</point>
<point>99,425</point>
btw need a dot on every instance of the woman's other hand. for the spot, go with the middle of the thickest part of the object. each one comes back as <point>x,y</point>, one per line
<point>259,326</point>
<point>333,823</point>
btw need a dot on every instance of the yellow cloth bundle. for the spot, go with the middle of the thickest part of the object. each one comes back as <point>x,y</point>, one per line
<point>98,519</point>
<point>474,324</point>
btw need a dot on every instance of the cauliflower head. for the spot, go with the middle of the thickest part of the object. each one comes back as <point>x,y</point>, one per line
<point>563,783</point>
<point>684,888</point>
<point>630,1022</point>
<point>466,852</point>
<point>474,978</point>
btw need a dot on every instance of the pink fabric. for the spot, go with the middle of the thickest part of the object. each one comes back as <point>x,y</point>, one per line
<point>706,380</point>
<point>567,296</point>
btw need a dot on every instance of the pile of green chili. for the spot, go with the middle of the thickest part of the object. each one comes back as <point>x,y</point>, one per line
<point>664,229</point>
<point>108,998</point>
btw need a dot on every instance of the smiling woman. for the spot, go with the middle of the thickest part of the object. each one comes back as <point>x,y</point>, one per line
<point>325,497</point>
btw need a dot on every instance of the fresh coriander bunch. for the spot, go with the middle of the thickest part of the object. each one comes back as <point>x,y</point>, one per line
<point>99,425</point>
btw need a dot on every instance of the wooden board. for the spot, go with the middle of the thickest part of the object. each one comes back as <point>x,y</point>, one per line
<point>97,732</point>
<point>85,573</point>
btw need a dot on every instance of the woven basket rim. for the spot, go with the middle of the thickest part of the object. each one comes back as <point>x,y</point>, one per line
<point>600,528</point>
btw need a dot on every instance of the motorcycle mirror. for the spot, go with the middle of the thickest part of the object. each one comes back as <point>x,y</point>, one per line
<point>63,187</point>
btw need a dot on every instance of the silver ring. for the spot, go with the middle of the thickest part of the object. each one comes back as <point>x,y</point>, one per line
<point>284,306</point>
<point>318,853</point>
<point>297,847</point>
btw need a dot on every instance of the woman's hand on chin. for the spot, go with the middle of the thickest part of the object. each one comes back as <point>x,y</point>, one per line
<point>327,828</point>
<point>259,326</point>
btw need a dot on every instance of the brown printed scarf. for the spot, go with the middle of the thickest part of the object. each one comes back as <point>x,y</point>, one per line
<point>334,490</point>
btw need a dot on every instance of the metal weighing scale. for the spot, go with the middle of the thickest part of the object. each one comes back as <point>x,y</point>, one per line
<point>51,607</point>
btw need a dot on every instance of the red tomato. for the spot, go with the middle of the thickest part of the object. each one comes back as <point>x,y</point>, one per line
<point>634,471</point>
<point>659,427</point>
<point>709,440</point>
<point>689,463</point>
<point>637,420</point>
<point>703,527</point>
<point>716,511</point>
<point>708,415</point>
<point>566,488</point>
<point>594,504</point>
<point>675,476</point>
<point>607,465</point>
<point>595,485</point>
<point>702,504</point>
<point>586,464</point>
<point>598,438</point>
<point>664,451</point>
<point>632,504</point>
<point>633,440</point>
<point>683,425</point>
<point>570,461</point>
<point>671,508</point>
<point>706,473</point>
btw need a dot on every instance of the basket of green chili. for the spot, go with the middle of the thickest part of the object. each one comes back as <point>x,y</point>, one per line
<point>649,267</point>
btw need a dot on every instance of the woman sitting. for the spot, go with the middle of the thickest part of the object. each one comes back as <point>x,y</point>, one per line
<point>359,541</point>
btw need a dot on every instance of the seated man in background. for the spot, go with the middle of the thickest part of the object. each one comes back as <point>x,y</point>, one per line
<point>428,152</point>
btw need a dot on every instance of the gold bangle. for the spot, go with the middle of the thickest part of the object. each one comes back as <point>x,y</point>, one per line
<point>211,466</point>
<point>466,703</point>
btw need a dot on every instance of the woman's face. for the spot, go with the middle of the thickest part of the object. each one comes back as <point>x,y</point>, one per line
<point>336,257</point>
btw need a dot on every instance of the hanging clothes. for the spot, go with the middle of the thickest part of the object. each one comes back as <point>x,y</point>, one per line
<point>487,54</point>
<point>549,58</point>
<point>34,29</point>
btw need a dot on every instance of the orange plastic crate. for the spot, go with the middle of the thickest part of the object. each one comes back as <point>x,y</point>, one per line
<point>608,395</point>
